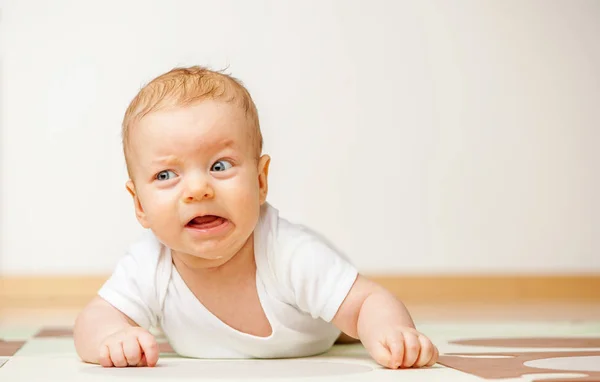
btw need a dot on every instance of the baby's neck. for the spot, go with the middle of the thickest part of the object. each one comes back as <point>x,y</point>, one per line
<point>240,263</point>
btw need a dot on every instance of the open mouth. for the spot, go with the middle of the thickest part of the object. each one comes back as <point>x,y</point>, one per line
<point>206,222</point>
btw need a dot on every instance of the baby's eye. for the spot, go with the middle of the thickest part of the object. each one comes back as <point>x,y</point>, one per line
<point>221,165</point>
<point>165,175</point>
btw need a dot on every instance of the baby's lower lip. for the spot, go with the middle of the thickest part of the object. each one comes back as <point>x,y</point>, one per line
<point>212,222</point>
<point>217,226</point>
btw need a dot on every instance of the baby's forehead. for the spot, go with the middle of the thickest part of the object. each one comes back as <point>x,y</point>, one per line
<point>168,140</point>
<point>206,118</point>
<point>188,142</point>
<point>200,128</point>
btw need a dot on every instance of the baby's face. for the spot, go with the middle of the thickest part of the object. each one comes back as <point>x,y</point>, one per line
<point>196,180</point>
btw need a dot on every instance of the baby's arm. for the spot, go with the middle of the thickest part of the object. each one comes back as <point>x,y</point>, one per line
<point>384,326</point>
<point>105,336</point>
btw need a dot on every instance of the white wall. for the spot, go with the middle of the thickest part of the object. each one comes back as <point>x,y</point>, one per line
<point>421,137</point>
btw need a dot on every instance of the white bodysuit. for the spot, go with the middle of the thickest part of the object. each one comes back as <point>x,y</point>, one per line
<point>301,282</point>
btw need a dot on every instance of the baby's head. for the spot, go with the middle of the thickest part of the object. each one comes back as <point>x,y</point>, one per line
<point>192,145</point>
<point>182,87</point>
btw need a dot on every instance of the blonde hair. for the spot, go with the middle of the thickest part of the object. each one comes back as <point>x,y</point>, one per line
<point>185,86</point>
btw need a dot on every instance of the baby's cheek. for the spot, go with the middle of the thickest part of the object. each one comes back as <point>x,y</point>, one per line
<point>241,190</point>
<point>160,210</point>
<point>245,204</point>
<point>249,200</point>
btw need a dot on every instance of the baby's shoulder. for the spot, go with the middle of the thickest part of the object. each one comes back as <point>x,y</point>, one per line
<point>147,244</point>
<point>148,254</point>
<point>291,242</point>
<point>293,237</point>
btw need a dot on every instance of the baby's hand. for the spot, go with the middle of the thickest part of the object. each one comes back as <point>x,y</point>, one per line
<point>402,347</point>
<point>133,346</point>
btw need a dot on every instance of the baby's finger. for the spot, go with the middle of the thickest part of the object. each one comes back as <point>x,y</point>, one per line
<point>435,357</point>
<point>426,352</point>
<point>132,351</point>
<point>150,348</point>
<point>142,362</point>
<point>411,349</point>
<point>380,354</point>
<point>396,346</point>
<point>116,354</point>
<point>104,358</point>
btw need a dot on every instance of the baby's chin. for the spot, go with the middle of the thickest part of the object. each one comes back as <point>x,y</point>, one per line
<point>203,260</point>
<point>211,253</point>
<point>209,257</point>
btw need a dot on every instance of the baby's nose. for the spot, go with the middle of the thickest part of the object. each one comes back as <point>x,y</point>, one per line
<point>198,188</point>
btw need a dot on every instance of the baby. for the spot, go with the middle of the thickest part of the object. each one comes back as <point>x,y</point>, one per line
<point>218,270</point>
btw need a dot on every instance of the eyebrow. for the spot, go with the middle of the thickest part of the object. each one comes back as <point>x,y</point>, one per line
<point>173,160</point>
<point>227,142</point>
<point>167,160</point>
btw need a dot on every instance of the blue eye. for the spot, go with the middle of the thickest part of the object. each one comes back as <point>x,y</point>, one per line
<point>221,165</point>
<point>165,175</point>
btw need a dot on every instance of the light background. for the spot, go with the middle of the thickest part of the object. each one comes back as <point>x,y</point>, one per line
<point>419,136</point>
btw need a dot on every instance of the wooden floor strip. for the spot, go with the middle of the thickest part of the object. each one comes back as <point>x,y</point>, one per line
<point>74,291</point>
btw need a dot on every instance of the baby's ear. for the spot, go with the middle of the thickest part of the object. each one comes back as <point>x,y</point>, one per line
<point>139,210</point>
<point>263,177</point>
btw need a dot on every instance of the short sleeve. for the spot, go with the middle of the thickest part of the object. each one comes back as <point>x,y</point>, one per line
<point>132,287</point>
<point>320,278</point>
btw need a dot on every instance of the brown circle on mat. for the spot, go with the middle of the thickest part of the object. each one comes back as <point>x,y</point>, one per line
<point>549,342</point>
<point>512,365</point>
